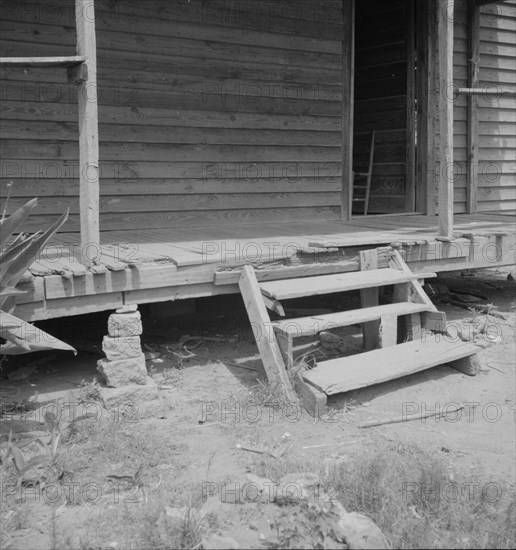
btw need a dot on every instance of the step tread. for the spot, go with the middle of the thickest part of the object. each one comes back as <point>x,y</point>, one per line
<point>380,365</point>
<point>339,282</point>
<point>308,326</point>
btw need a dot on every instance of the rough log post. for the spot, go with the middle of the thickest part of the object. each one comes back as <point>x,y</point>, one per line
<point>473,78</point>
<point>445,43</point>
<point>348,93</point>
<point>88,129</point>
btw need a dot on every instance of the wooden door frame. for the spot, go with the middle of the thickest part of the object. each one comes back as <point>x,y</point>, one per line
<point>416,87</point>
<point>348,106</point>
<point>427,88</point>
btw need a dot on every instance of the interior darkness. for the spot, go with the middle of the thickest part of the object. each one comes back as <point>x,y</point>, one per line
<point>382,98</point>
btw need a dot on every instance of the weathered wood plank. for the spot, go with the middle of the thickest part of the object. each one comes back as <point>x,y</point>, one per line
<point>27,62</point>
<point>377,366</point>
<point>445,44</point>
<point>65,307</point>
<point>264,335</point>
<point>368,261</point>
<point>86,77</point>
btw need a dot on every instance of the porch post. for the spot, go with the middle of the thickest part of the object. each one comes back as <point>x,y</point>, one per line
<point>348,94</point>
<point>445,44</point>
<point>86,78</point>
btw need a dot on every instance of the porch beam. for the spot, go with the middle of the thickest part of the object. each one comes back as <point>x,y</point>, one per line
<point>473,122</point>
<point>348,101</point>
<point>445,43</point>
<point>86,77</point>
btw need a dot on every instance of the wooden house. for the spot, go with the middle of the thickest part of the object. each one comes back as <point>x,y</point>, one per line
<point>186,135</point>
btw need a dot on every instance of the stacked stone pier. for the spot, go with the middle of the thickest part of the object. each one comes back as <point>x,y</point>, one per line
<point>123,371</point>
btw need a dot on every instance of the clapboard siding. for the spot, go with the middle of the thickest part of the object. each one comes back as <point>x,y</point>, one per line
<point>381,100</point>
<point>209,113</point>
<point>460,113</point>
<point>497,118</point>
<point>497,126</point>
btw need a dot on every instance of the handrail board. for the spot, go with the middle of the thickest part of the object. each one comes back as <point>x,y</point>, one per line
<point>26,62</point>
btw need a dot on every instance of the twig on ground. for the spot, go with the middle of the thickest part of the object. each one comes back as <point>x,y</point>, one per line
<point>257,450</point>
<point>494,368</point>
<point>329,445</point>
<point>406,418</point>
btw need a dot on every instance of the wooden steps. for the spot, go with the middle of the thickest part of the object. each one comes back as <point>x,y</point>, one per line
<point>411,318</point>
<point>380,365</point>
<point>327,284</point>
<point>309,326</point>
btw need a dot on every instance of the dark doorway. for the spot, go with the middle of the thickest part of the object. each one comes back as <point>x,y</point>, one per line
<point>385,103</point>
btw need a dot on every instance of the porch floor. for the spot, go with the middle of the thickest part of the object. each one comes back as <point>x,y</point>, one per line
<point>158,265</point>
<point>268,242</point>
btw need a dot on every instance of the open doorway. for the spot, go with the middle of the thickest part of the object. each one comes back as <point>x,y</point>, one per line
<point>385,108</point>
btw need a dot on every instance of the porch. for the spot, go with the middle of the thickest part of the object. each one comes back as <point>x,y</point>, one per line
<point>145,266</point>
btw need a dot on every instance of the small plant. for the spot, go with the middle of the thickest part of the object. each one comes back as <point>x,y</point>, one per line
<point>89,391</point>
<point>17,252</point>
<point>49,444</point>
<point>309,524</point>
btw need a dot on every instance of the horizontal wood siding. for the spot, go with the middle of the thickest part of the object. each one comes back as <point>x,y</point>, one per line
<point>497,114</point>
<point>460,104</point>
<point>497,118</point>
<point>210,113</point>
<point>381,100</point>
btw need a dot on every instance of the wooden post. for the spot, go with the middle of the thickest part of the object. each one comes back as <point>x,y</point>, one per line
<point>86,77</point>
<point>264,335</point>
<point>348,101</point>
<point>473,124</point>
<point>369,297</point>
<point>445,44</point>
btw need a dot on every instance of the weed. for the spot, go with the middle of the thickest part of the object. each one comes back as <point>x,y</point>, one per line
<point>308,525</point>
<point>412,496</point>
<point>89,391</point>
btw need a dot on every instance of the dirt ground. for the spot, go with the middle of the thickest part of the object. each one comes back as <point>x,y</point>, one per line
<point>215,403</point>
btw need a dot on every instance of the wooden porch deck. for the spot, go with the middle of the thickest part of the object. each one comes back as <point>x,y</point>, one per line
<point>160,265</point>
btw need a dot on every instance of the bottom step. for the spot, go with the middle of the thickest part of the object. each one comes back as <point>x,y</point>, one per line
<point>380,365</point>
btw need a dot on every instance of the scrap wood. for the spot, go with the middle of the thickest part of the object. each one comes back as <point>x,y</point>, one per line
<point>487,309</point>
<point>406,418</point>
<point>227,363</point>
<point>257,450</point>
<point>494,368</point>
<point>329,445</point>
<point>468,292</point>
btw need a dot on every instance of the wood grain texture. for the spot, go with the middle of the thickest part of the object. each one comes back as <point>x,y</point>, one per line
<point>238,99</point>
<point>445,43</point>
<point>88,123</point>
<point>377,366</point>
<point>264,335</point>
